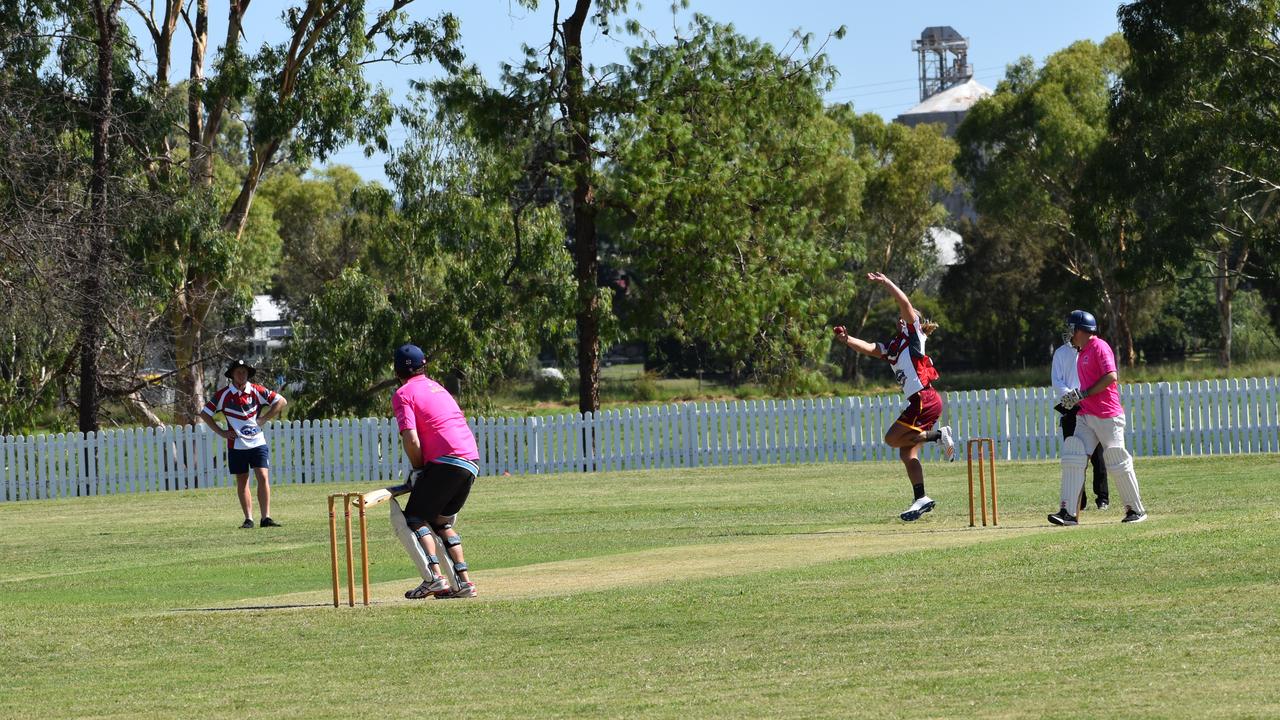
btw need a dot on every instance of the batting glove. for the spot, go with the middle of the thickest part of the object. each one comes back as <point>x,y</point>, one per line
<point>1071,399</point>
<point>417,474</point>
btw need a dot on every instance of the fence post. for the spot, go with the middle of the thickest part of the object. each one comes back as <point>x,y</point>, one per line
<point>687,412</point>
<point>1164,419</point>
<point>535,447</point>
<point>1004,432</point>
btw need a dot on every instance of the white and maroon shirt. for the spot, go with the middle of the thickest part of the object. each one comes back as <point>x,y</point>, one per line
<point>911,367</point>
<point>241,406</point>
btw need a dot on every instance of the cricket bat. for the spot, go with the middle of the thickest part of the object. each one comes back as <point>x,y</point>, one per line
<point>381,495</point>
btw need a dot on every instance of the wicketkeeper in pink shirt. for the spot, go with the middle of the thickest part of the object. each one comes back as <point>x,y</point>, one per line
<point>442,451</point>
<point>1100,422</point>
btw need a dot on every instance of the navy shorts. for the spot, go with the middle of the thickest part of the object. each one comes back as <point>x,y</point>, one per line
<point>239,461</point>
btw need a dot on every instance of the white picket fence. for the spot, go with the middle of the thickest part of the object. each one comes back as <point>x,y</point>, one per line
<point>1187,418</point>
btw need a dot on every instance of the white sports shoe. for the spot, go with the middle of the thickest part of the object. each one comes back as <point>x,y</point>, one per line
<point>948,442</point>
<point>464,590</point>
<point>428,589</point>
<point>918,508</point>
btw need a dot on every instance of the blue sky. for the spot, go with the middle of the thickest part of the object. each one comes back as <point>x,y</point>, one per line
<point>877,67</point>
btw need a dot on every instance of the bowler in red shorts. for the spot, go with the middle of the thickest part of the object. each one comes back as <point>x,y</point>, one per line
<point>915,374</point>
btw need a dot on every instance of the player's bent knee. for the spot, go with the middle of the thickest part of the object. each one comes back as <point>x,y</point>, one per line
<point>1117,459</point>
<point>1073,452</point>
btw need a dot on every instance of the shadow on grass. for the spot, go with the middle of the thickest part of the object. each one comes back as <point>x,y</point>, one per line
<point>295,606</point>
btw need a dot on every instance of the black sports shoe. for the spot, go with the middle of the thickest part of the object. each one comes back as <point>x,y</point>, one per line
<point>1062,517</point>
<point>268,522</point>
<point>1103,504</point>
<point>1131,516</point>
<point>247,524</point>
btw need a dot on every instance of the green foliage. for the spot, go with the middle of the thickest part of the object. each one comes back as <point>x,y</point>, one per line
<point>1195,114</point>
<point>907,170</point>
<point>1037,156</point>
<point>36,348</point>
<point>645,387</point>
<point>330,101</point>
<point>447,272</point>
<point>1255,338</point>
<point>323,222</point>
<point>551,387</point>
<point>343,343</point>
<point>741,191</point>
<point>253,257</point>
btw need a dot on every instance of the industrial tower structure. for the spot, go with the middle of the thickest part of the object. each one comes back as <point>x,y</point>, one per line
<point>944,60</point>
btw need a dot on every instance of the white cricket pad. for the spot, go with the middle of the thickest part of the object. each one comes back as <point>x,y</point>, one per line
<point>1074,461</point>
<point>1120,469</point>
<point>409,541</point>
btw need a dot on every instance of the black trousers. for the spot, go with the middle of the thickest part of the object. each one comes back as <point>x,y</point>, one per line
<point>1100,492</point>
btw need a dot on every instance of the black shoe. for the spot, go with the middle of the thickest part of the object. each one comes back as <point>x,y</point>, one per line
<point>247,524</point>
<point>1103,504</point>
<point>1062,517</point>
<point>268,522</point>
<point>1131,516</point>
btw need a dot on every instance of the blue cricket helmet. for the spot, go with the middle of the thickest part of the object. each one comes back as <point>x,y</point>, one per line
<point>409,357</point>
<point>1081,320</point>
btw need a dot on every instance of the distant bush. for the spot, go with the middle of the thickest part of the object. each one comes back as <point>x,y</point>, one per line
<point>550,384</point>
<point>645,387</point>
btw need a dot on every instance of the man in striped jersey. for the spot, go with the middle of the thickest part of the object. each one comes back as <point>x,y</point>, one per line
<point>241,403</point>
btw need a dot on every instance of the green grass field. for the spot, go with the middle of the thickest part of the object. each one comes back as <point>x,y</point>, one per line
<point>726,593</point>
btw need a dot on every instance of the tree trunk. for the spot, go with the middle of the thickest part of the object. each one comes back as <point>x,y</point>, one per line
<point>1122,335</point>
<point>106,17</point>
<point>585,252</point>
<point>186,320</point>
<point>1225,292</point>
<point>238,215</point>
<point>1128,353</point>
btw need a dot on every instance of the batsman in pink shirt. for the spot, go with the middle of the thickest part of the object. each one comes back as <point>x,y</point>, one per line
<point>442,451</point>
<point>1100,422</point>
